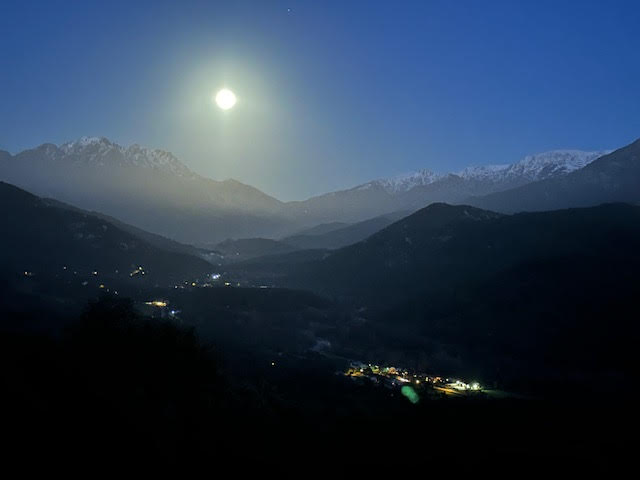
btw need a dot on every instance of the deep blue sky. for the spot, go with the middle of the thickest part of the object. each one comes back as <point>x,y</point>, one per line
<point>331,93</point>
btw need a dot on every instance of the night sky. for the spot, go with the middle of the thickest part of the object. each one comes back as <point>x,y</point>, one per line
<point>331,94</point>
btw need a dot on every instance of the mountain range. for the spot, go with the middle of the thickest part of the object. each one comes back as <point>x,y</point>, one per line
<point>147,188</point>
<point>530,169</point>
<point>154,191</point>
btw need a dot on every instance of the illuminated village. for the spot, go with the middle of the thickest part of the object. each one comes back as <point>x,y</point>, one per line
<point>410,383</point>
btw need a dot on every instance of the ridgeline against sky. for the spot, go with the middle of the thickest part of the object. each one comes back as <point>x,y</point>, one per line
<point>330,94</point>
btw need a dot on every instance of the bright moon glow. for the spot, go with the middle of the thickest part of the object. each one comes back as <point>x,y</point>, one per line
<point>225,99</point>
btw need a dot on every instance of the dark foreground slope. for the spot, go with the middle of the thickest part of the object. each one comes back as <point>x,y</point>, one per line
<point>117,391</point>
<point>611,178</point>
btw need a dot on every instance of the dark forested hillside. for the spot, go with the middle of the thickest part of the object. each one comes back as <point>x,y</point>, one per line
<point>442,246</point>
<point>521,296</point>
<point>44,239</point>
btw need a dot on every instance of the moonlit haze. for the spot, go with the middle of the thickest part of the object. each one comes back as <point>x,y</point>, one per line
<point>333,94</point>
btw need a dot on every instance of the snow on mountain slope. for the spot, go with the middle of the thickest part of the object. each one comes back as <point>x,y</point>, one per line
<point>100,151</point>
<point>404,182</point>
<point>531,168</point>
<point>551,164</point>
<point>485,172</point>
<point>103,152</point>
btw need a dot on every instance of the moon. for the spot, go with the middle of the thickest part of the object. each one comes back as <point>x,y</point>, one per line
<point>225,99</point>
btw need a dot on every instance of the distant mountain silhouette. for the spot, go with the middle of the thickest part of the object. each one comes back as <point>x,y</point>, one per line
<point>245,248</point>
<point>347,235</point>
<point>322,228</point>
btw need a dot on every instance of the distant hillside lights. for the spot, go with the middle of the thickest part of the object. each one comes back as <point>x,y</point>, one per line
<point>138,271</point>
<point>391,377</point>
<point>158,308</point>
<point>157,303</point>
<point>208,281</point>
<point>460,385</point>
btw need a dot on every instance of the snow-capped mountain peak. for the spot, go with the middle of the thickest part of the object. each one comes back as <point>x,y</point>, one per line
<point>553,163</point>
<point>89,145</point>
<point>482,172</point>
<point>142,156</point>
<point>534,167</point>
<point>100,151</point>
<point>530,169</point>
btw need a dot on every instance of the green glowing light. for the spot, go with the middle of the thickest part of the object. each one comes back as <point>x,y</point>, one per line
<point>410,393</point>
